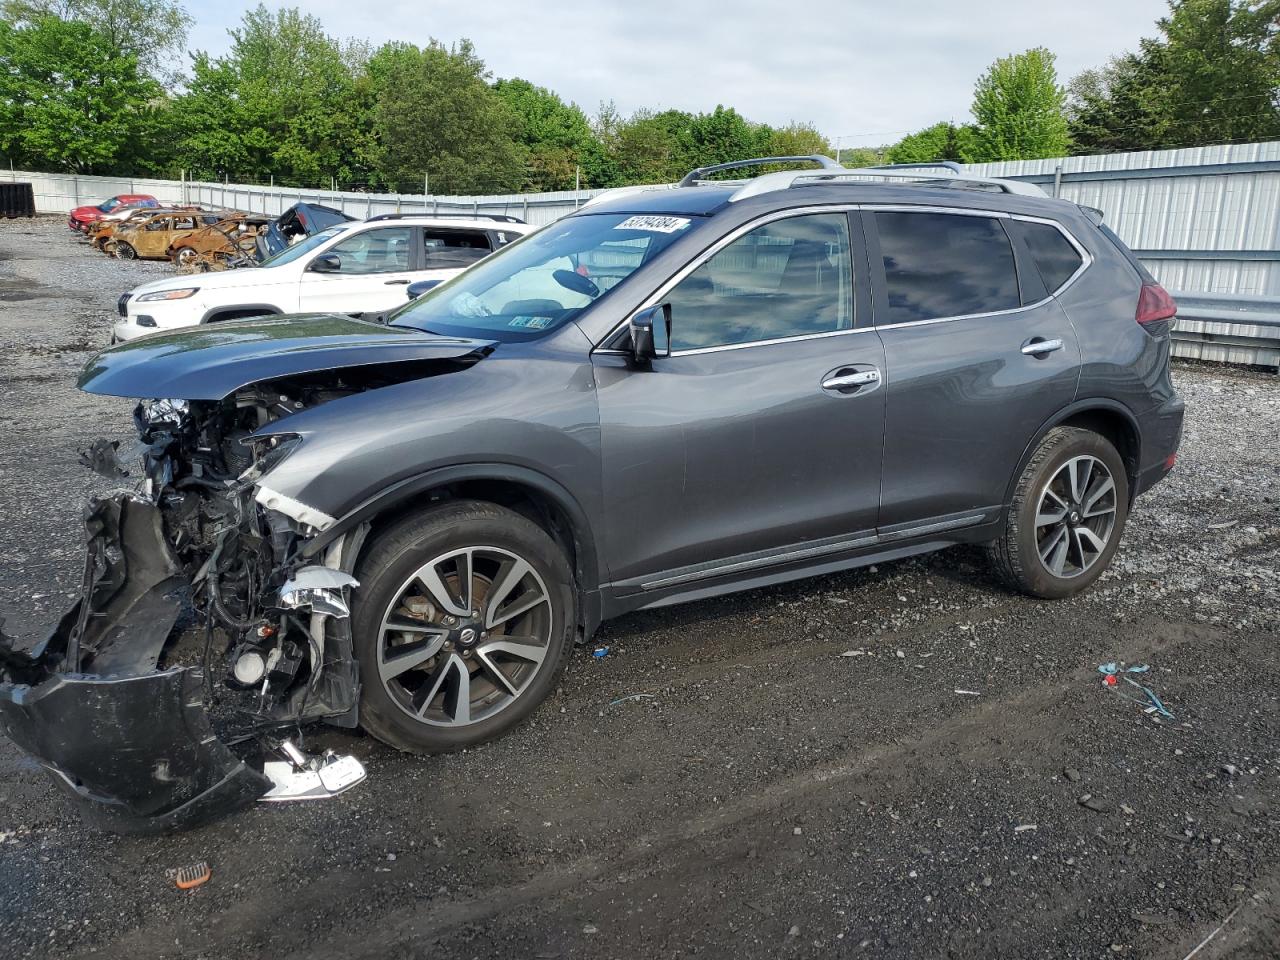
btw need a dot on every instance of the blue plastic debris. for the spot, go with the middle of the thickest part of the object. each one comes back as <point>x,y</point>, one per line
<point>1114,672</point>
<point>600,652</point>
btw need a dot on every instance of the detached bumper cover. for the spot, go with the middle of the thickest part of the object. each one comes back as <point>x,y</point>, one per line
<point>136,753</point>
<point>131,743</point>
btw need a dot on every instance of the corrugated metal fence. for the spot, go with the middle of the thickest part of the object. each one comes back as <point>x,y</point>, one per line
<point>1205,221</point>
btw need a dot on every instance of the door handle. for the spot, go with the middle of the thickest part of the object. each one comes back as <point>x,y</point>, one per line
<point>391,282</point>
<point>860,378</point>
<point>1038,345</point>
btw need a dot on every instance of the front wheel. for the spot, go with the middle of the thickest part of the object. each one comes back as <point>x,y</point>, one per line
<point>185,257</point>
<point>1068,509</point>
<point>463,621</point>
<point>125,251</point>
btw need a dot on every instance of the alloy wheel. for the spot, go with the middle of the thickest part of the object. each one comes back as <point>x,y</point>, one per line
<point>1075,516</point>
<point>464,636</point>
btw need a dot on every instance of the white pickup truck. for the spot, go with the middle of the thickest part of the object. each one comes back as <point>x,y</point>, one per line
<point>353,268</point>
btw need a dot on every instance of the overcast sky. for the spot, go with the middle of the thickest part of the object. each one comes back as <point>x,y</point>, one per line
<point>863,71</point>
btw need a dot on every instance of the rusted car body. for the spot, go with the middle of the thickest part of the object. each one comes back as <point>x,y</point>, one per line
<point>217,246</point>
<point>102,231</point>
<point>153,238</point>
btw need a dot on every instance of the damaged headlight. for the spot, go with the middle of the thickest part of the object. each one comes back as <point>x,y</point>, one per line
<point>155,412</point>
<point>181,294</point>
<point>269,453</point>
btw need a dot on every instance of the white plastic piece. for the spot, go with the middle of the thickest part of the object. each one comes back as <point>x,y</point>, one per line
<point>333,775</point>
<point>294,509</point>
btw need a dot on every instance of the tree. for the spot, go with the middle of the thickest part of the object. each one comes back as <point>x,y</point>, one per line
<point>1212,76</point>
<point>440,117</point>
<point>798,140</point>
<point>278,104</point>
<point>554,134</point>
<point>68,101</point>
<point>942,141</point>
<point>1018,109</point>
<point>153,31</point>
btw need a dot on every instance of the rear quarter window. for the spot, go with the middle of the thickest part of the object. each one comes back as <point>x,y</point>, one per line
<point>1054,256</point>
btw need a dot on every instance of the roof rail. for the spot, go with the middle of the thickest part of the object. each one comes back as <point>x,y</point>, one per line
<point>701,173</point>
<point>499,217</point>
<point>771,182</point>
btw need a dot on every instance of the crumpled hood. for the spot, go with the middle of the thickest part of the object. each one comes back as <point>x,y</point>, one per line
<point>209,362</point>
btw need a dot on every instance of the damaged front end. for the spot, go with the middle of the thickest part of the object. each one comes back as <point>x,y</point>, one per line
<point>201,639</point>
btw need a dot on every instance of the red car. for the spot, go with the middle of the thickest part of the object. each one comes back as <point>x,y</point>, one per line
<point>81,217</point>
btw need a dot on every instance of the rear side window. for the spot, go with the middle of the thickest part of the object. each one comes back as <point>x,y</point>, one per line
<point>454,249</point>
<point>940,265</point>
<point>1053,253</point>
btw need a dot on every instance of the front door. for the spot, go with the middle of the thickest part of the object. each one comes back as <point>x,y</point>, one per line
<point>374,268</point>
<point>756,444</point>
<point>977,358</point>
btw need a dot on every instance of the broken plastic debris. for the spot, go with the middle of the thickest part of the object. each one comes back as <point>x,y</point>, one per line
<point>634,696</point>
<point>968,693</point>
<point>1024,827</point>
<point>854,653</point>
<point>1113,672</point>
<point>190,877</point>
<point>600,652</point>
<point>310,778</point>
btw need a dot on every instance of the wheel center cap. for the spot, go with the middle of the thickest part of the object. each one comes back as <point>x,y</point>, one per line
<point>1075,517</point>
<point>468,636</point>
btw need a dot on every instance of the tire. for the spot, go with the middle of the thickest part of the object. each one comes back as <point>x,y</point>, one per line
<point>412,698</point>
<point>125,251</point>
<point>1050,556</point>
<point>184,256</point>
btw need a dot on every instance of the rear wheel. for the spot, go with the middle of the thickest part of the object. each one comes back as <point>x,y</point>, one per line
<point>463,621</point>
<point>1068,510</point>
<point>125,251</point>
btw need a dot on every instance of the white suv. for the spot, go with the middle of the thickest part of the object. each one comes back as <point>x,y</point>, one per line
<point>351,268</point>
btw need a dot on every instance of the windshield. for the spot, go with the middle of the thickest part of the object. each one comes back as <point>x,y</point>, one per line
<point>108,205</point>
<point>545,279</point>
<point>302,247</point>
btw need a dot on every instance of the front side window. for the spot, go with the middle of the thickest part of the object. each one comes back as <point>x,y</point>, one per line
<point>453,249</point>
<point>384,250</point>
<point>788,278</point>
<point>545,279</point>
<point>941,265</point>
<point>302,247</point>
<point>160,223</point>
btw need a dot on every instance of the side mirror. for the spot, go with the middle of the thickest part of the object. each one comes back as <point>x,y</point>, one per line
<point>651,332</point>
<point>326,263</point>
<point>419,287</point>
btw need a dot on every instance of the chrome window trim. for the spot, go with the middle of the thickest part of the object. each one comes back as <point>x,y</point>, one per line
<point>1086,260</point>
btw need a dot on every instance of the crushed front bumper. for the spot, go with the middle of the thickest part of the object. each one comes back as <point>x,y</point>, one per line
<point>136,753</point>
<point>131,743</point>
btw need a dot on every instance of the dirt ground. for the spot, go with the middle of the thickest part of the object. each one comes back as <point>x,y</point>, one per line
<point>790,772</point>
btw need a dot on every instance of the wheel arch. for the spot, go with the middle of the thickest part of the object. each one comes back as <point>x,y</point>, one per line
<point>1108,418</point>
<point>239,311</point>
<point>542,499</point>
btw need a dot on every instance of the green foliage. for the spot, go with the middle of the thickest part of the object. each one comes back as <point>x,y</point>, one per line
<point>153,31</point>
<point>555,135</point>
<point>69,101</point>
<point>1213,76</point>
<point>440,117</point>
<point>799,140</point>
<point>942,141</point>
<point>1018,110</point>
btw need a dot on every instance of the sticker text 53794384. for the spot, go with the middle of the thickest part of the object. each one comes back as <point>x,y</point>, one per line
<point>654,224</point>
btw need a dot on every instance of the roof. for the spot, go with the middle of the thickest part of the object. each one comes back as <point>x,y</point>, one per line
<point>707,199</point>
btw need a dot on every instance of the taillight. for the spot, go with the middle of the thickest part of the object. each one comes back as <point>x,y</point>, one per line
<point>1155,304</point>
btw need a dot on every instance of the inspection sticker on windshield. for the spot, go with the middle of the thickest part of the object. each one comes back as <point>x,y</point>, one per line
<point>530,323</point>
<point>655,224</point>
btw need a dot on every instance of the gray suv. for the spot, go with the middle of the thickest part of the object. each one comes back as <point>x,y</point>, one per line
<point>671,394</point>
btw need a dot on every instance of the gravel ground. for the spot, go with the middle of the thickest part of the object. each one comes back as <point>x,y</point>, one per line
<point>770,795</point>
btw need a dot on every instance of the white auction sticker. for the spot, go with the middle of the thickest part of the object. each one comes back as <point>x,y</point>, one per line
<point>656,224</point>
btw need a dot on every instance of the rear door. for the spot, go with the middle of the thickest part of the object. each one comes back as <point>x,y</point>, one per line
<point>447,252</point>
<point>375,267</point>
<point>977,357</point>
